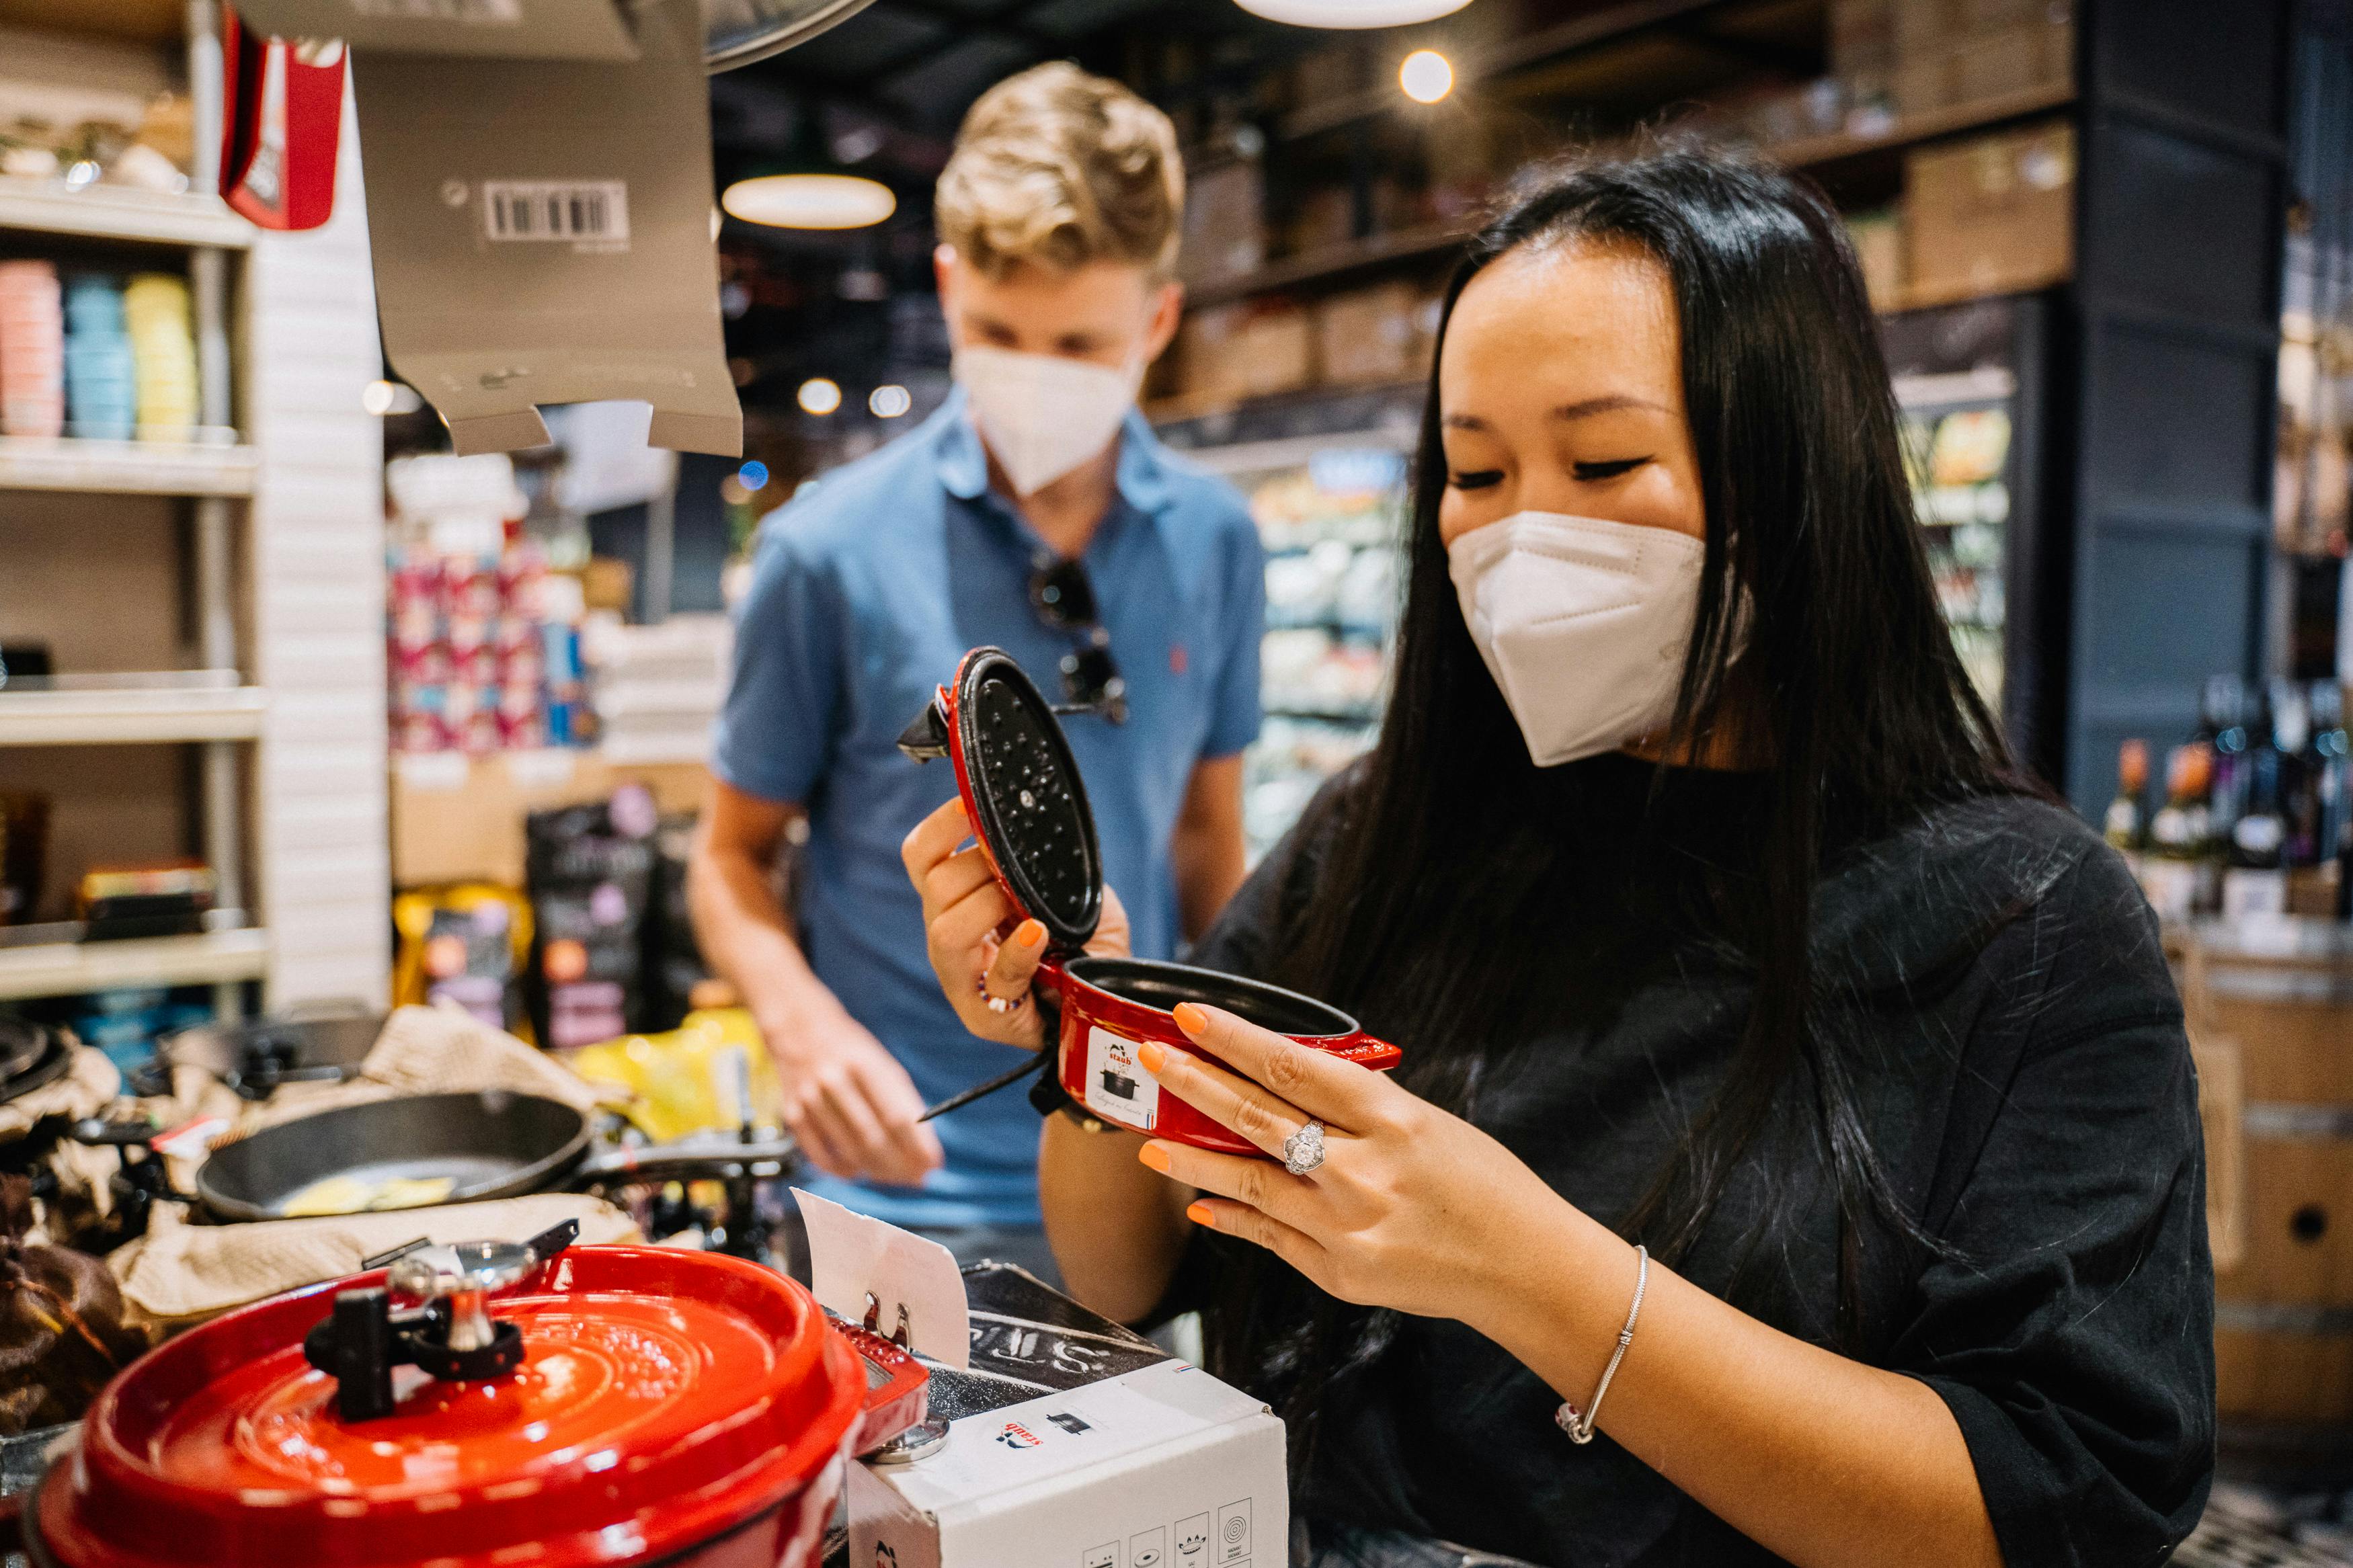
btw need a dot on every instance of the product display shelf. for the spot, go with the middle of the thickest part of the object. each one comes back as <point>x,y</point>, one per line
<point>1813,154</point>
<point>120,213</point>
<point>131,714</point>
<point>126,467</point>
<point>69,968</point>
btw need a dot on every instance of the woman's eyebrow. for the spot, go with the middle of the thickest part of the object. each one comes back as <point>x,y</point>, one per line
<point>1608,404</point>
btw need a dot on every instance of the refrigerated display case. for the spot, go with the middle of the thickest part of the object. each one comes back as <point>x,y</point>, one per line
<point>1969,381</point>
<point>1331,507</point>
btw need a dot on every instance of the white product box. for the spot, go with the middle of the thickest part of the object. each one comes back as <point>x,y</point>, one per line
<point>1163,1467</point>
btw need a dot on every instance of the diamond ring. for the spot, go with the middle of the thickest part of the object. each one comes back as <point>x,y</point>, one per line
<point>1303,1149</point>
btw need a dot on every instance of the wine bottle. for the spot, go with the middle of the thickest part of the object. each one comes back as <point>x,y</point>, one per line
<point>2127,820</point>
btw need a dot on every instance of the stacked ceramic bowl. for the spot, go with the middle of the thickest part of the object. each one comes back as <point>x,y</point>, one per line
<point>102,389</point>
<point>32,350</point>
<point>162,355</point>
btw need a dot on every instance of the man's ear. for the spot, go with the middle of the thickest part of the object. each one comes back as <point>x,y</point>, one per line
<point>943,273</point>
<point>1168,313</point>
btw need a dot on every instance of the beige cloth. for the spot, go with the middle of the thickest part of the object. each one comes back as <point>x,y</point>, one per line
<point>179,1272</point>
<point>86,1088</point>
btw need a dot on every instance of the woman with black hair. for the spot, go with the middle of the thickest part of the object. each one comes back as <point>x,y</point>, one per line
<point>1792,1095</point>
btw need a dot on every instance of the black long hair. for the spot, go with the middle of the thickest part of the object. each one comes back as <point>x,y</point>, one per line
<point>1846,689</point>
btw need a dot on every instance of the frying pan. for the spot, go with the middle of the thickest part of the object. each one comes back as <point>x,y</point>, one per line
<point>495,1144</point>
<point>1027,804</point>
<point>31,1054</point>
<point>253,1056</point>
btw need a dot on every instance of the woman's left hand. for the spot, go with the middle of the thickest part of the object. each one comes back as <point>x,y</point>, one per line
<point>1411,1208</point>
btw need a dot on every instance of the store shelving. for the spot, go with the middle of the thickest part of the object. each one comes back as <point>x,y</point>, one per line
<point>120,213</point>
<point>69,968</point>
<point>131,713</point>
<point>1814,153</point>
<point>126,467</point>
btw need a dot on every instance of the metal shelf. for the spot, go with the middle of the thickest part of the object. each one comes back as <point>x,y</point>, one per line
<point>122,213</point>
<point>69,968</point>
<point>131,715</point>
<point>125,467</point>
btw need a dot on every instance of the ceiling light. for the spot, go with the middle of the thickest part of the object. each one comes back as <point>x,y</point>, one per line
<point>1426,76</point>
<point>890,402</point>
<point>811,201</point>
<point>1350,13</point>
<point>819,395</point>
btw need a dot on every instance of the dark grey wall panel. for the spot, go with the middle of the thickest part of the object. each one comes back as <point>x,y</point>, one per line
<point>2218,60</point>
<point>2180,423</point>
<point>2149,180</point>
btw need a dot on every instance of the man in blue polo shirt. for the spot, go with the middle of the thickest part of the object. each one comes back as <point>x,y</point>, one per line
<point>1034,512</point>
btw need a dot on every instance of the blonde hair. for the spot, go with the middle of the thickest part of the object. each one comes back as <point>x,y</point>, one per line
<point>1061,168</point>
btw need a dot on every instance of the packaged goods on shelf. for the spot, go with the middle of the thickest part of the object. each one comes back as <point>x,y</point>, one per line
<point>657,688</point>
<point>32,350</point>
<point>102,378</point>
<point>465,944</point>
<point>160,897</point>
<point>682,1081</point>
<point>590,875</point>
<point>23,854</point>
<point>157,315</point>
<point>1992,216</point>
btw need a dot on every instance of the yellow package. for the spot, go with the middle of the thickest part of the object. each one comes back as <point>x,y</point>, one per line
<point>464,943</point>
<point>672,1085</point>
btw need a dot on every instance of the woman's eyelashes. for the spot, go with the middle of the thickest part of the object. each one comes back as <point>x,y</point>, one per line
<point>1478,480</point>
<point>1587,473</point>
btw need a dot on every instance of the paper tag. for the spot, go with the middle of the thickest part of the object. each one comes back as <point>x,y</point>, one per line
<point>853,1256</point>
<point>1117,1088</point>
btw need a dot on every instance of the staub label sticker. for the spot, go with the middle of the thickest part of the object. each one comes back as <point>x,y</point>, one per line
<point>1118,1089</point>
<point>596,211</point>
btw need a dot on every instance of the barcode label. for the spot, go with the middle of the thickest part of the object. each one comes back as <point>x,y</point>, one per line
<point>554,209</point>
<point>479,12</point>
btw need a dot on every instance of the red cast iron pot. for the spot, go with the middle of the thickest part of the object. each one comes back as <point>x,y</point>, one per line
<point>1021,788</point>
<point>675,1407</point>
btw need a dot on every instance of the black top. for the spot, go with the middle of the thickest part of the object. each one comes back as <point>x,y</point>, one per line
<point>2028,1083</point>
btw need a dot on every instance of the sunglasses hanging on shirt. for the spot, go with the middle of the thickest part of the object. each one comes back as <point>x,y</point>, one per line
<point>1064,599</point>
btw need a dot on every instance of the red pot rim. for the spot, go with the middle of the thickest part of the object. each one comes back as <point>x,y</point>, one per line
<point>743,1396</point>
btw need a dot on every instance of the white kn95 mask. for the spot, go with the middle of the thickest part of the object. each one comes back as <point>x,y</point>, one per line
<point>1583,623</point>
<point>1044,414</point>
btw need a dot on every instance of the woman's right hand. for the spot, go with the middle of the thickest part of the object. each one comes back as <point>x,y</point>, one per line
<point>969,929</point>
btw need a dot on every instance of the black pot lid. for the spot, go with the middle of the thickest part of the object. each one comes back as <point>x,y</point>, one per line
<point>1022,787</point>
<point>22,1046</point>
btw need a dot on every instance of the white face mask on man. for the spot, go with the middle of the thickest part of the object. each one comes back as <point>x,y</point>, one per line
<point>1044,414</point>
<point>1584,624</point>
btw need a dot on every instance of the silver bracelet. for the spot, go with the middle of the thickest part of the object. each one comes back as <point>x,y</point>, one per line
<point>1579,1427</point>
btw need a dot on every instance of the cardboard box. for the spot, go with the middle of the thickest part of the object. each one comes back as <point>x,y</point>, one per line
<point>1371,335</point>
<point>1863,37</point>
<point>2012,60</point>
<point>1924,27</point>
<point>1225,223</point>
<point>1075,1443</point>
<point>1993,216</point>
<point>534,30</point>
<point>1878,239</point>
<point>457,818</point>
<point>1250,349</point>
<point>1922,85</point>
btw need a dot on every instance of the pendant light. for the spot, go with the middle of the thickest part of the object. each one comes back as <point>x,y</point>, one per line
<point>1351,12</point>
<point>811,201</point>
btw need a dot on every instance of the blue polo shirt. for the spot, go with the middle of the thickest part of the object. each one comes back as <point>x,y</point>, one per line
<point>867,589</point>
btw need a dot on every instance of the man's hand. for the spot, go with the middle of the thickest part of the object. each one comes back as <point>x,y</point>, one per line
<point>848,1100</point>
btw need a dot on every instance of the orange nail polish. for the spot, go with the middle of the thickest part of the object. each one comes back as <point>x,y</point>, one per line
<point>1191,1019</point>
<point>1152,1156</point>
<point>1031,934</point>
<point>1201,1213</point>
<point>1153,1054</point>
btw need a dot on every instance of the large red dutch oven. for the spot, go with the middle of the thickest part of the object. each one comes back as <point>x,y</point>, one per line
<point>1021,788</point>
<point>660,1406</point>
